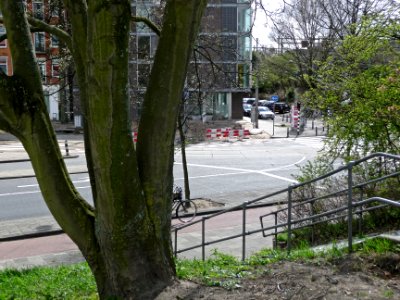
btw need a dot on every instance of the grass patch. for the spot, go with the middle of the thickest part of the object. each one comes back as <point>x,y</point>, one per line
<point>63,282</point>
<point>77,282</point>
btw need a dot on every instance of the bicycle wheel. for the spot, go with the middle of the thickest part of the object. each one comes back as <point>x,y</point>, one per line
<point>186,211</point>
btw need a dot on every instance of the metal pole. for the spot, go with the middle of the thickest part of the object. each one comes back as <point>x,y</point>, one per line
<point>350,206</point>
<point>203,239</point>
<point>66,148</point>
<point>273,126</point>
<point>287,132</point>
<point>176,243</point>
<point>360,215</point>
<point>244,231</point>
<point>256,104</point>
<point>289,231</point>
<point>276,230</point>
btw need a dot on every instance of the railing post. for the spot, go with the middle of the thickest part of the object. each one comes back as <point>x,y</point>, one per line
<point>176,243</point>
<point>203,238</point>
<point>350,205</point>
<point>287,132</point>
<point>289,219</point>
<point>275,245</point>
<point>312,222</point>
<point>360,214</point>
<point>244,231</point>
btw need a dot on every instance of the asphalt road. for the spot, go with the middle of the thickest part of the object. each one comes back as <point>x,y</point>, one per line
<point>227,172</point>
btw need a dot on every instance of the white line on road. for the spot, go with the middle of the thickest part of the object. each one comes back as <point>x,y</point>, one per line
<point>250,171</point>
<point>36,185</point>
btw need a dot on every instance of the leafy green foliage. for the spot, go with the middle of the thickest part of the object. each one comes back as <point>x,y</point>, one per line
<point>64,282</point>
<point>360,85</point>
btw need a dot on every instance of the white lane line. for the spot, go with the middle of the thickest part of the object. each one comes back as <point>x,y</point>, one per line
<point>244,171</point>
<point>286,166</point>
<point>19,193</point>
<point>36,185</point>
<point>214,175</point>
<point>36,192</point>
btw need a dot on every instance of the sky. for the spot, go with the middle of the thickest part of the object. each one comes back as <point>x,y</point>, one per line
<point>260,31</point>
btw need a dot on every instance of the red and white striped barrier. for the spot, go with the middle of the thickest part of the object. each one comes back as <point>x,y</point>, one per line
<point>226,133</point>
<point>216,133</point>
<point>134,135</point>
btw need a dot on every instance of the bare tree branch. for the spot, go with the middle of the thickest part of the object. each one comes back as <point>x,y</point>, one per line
<point>146,21</point>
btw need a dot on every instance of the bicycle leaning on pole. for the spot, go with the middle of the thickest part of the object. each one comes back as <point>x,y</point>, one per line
<point>185,210</point>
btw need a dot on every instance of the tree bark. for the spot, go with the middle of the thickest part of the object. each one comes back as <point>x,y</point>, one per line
<point>125,237</point>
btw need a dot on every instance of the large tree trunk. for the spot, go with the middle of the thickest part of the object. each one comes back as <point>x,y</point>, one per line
<point>125,237</point>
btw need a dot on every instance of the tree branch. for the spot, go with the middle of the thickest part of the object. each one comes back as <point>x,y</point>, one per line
<point>38,25</point>
<point>149,24</point>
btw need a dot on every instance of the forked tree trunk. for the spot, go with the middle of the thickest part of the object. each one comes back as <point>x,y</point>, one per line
<point>125,236</point>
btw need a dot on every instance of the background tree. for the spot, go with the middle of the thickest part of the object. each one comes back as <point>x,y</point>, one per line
<point>360,85</point>
<point>277,73</point>
<point>125,235</point>
<point>308,31</point>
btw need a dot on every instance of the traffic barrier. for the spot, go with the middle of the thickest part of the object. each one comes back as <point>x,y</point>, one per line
<point>134,134</point>
<point>219,133</point>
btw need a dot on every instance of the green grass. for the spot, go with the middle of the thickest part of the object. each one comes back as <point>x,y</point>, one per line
<point>77,282</point>
<point>63,282</point>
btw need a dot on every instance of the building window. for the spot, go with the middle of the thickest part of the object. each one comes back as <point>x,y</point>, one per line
<point>3,44</point>
<point>40,42</point>
<point>37,9</point>
<point>229,19</point>
<point>55,68</point>
<point>54,41</point>
<point>42,69</point>
<point>3,64</point>
<point>229,48</point>
<point>143,47</point>
<point>143,74</point>
<point>244,47</point>
<point>244,15</point>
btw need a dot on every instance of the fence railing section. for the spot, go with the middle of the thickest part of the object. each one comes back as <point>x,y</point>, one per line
<point>339,194</point>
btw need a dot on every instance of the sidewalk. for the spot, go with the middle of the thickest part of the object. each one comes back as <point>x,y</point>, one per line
<point>59,249</point>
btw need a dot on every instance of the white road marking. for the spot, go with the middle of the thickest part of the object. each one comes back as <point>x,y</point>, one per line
<point>36,185</point>
<point>242,171</point>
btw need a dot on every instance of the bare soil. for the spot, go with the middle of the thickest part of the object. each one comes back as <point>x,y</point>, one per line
<point>352,277</point>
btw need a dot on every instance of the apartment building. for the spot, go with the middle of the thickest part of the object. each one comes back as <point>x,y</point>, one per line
<point>219,73</point>
<point>46,49</point>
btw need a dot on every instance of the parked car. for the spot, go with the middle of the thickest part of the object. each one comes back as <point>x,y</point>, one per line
<point>279,107</point>
<point>247,110</point>
<point>248,101</point>
<point>265,113</point>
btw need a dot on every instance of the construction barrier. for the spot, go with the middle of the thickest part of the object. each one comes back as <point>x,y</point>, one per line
<point>219,133</point>
<point>134,134</point>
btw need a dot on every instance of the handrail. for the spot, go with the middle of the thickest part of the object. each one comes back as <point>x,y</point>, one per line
<point>349,207</point>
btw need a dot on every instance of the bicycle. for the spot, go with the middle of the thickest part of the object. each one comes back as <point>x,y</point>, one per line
<point>185,210</point>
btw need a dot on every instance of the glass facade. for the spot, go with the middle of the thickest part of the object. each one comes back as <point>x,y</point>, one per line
<point>222,59</point>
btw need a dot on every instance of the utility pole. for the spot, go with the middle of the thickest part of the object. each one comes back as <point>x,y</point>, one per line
<point>256,102</point>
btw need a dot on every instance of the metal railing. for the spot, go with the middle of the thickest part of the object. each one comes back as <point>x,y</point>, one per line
<point>345,212</point>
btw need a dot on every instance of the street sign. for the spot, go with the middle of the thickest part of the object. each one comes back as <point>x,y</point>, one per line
<point>275,98</point>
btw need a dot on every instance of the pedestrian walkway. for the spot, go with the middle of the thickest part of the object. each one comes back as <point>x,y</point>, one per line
<point>59,249</point>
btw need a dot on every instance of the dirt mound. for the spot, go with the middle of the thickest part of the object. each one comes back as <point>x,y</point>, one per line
<point>347,278</point>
